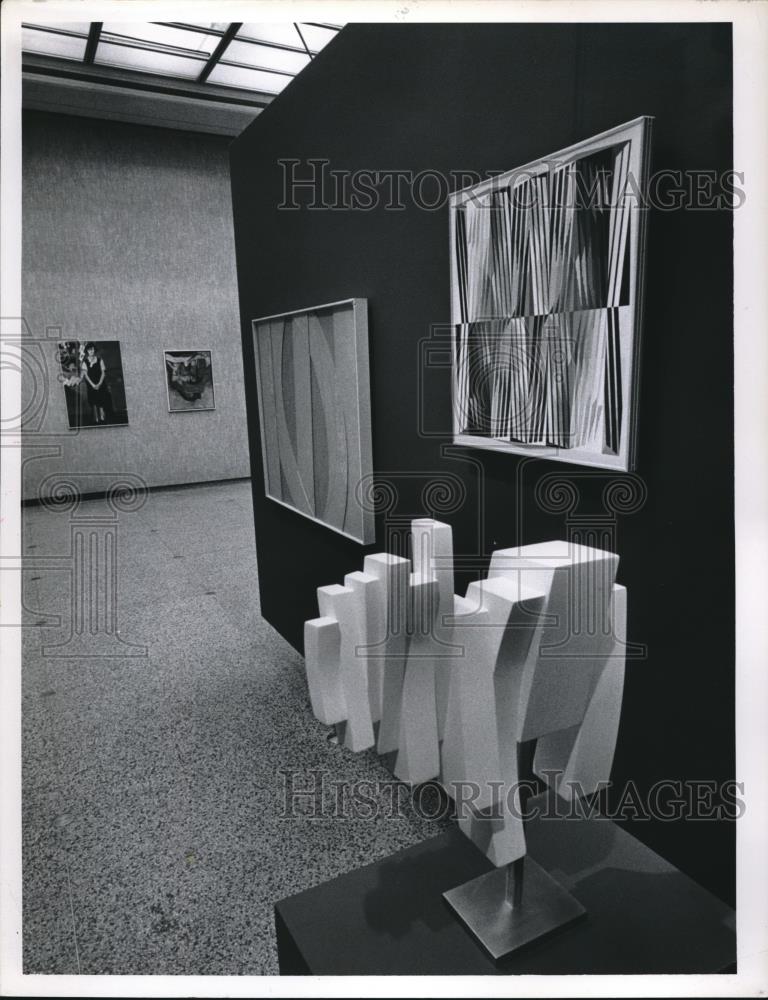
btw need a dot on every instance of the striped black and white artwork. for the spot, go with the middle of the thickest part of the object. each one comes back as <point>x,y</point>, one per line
<point>546,300</point>
<point>314,409</point>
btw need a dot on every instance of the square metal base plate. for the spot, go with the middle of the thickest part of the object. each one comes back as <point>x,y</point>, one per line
<point>481,904</point>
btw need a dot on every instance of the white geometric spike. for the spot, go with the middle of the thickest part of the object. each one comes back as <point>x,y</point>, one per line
<point>481,744</point>
<point>515,662</point>
<point>575,635</point>
<point>432,550</point>
<point>347,606</point>
<point>583,756</point>
<point>393,574</point>
<point>497,648</point>
<point>470,751</point>
<point>453,750</point>
<point>418,756</point>
<point>326,599</point>
<point>322,648</point>
<point>373,631</point>
<point>500,835</point>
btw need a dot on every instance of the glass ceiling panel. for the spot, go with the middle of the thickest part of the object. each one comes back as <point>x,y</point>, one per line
<point>261,55</point>
<point>162,63</point>
<point>218,26</point>
<point>283,34</point>
<point>249,79</point>
<point>47,44</point>
<point>158,34</point>
<point>317,38</point>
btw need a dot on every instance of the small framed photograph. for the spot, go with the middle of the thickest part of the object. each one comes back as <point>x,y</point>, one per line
<point>189,381</point>
<point>94,388</point>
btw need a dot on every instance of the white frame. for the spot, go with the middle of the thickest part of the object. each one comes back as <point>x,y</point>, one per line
<point>184,350</point>
<point>359,308</point>
<point>638,131</point>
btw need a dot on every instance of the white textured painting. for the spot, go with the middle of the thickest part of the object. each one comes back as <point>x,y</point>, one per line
<point>547,264</point>
<point>314,409</point>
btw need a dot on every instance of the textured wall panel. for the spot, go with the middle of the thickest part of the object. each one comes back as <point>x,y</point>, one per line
<point>128,236</point>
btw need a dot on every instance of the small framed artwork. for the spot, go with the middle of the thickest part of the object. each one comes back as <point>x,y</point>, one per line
<point>91,373</point>
<point>189,381</point>
<point>315,413</point>
<point>547,266</point>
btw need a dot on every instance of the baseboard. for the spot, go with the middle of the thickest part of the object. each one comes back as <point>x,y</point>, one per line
<point>102,494</point>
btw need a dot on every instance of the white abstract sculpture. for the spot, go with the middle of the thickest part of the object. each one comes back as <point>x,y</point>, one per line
<point>480,748</point>
<point>389,642</point>
<point>533,655</point>
<point>348,605</point>
<point>322,650</point>
<point>582,755</point>
<point>576,643</point>
<point>432,548</point>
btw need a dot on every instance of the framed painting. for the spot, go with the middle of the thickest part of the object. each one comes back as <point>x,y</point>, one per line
<point>189,380</point>
<point>91,373</point>
<point>547,268</point>
<point>314,410</point>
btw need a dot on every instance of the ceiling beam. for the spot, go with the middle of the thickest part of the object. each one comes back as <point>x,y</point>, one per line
<point>93,42</point>
<point>219,51</point>
<point>256,69</point>
<point>67,69</point>
<point>86,100</point>
<point>53,29</point>
<point>298,29</point>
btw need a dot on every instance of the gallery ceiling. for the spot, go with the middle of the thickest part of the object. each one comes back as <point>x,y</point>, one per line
<point>213,76</point>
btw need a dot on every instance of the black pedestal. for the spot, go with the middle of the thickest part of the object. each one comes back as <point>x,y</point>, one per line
<point>390,918</point>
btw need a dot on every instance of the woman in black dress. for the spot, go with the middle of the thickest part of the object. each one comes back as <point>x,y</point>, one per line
<point>95,374</point>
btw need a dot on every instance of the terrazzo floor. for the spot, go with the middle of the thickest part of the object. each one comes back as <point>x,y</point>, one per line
<point>154,834</point>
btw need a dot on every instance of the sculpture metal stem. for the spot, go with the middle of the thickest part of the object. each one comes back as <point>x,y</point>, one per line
<point>514,891</point>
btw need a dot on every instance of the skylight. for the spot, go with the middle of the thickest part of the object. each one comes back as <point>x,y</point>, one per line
<point>261,58</point>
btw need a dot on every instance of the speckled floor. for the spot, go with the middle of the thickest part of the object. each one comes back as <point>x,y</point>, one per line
<point>154,783</point>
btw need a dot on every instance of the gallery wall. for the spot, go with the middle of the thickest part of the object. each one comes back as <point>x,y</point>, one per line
<point>127,236</point>
<point>448,98</point>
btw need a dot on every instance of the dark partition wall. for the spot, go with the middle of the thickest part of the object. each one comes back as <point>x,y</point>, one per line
<point>375,124</point>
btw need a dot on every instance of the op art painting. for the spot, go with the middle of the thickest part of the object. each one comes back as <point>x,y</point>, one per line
<point>189,380</point>
<point>547,282</point>
<point>94,388</point>
<point>315,413</point>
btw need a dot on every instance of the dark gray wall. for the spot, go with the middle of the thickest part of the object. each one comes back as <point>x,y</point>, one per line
<point>492,97</point>
<point>127,235</point>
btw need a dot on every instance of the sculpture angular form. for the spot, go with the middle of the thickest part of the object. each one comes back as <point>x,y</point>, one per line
<point>532,658</point>
<point>432,549</point>
<point>347,606</point>
<point>389,642</point>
